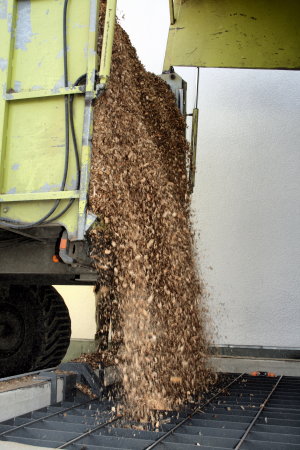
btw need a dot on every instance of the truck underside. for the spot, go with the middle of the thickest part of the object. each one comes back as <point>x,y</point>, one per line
<point>33,258</point>
<point>35,326</point>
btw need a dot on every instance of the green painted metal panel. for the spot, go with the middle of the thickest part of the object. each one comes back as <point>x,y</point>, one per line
<point>235,33</point>
<point>32,114</point>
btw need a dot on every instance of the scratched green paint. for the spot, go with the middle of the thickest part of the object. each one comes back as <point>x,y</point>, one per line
<point>32,128</point>
<point>235,33</point>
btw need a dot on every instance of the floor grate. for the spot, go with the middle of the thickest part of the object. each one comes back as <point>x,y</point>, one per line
<point>258,413</point>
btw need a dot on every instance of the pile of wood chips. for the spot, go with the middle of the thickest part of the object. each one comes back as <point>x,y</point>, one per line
<point>143,250</point>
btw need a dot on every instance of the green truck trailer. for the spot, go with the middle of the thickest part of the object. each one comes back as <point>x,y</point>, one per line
<point>50,73</point>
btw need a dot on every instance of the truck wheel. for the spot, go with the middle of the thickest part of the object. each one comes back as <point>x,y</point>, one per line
<point>35,328</point>
<point>56,330</point>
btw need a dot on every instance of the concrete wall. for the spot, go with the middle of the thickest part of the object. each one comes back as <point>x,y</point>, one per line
<point>246,204</point>
<point>81,304</point>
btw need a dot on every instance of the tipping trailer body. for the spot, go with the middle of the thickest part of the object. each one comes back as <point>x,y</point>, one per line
<point>33,132</point>
<point>256,34</point>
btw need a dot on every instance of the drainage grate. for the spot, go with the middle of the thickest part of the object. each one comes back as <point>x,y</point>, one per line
<point>258,413</point>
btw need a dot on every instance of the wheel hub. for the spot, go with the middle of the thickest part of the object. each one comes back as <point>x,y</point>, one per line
<point>11,330</point>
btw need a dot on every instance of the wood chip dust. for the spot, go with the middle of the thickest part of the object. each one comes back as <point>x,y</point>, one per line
<point>142,246</point>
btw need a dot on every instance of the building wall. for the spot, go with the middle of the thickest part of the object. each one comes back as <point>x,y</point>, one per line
<point>81,304</point>
<point>246,204</point>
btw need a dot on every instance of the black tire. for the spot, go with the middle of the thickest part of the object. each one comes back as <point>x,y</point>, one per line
<point>35,328</point>
<point>56,331</point>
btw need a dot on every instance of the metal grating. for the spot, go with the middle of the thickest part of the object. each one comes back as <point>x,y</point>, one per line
<point>258,413</point>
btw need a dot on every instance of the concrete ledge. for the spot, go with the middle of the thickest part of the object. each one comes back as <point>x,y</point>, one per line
<point>5,445</point>
<point>20,401</point>
<point>287,367</point>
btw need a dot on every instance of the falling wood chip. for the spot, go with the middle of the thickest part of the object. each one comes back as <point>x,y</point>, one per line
<point>176,380</point>
<point>144,251</point>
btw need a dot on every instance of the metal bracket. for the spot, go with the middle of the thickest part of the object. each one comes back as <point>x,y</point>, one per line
<point>90,219</point>
<point>172,14</point>
<point>178,87</point>
<point>84,375</point>
<point>63,249</point>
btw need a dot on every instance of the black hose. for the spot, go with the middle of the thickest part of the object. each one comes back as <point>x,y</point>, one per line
<point>66,84</point>
<point>71,201</point>
<point>79,80</point>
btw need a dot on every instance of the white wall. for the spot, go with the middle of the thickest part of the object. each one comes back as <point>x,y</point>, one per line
<point>246,203</point>
<point>81,304</point>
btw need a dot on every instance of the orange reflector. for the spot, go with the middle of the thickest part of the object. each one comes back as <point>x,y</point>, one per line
<point>63,244</point>
<point>55,258</point>
<point>271,374</point>
<point>255,374</point>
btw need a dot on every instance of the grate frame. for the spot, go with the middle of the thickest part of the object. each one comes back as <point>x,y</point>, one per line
<point>250,412</point>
